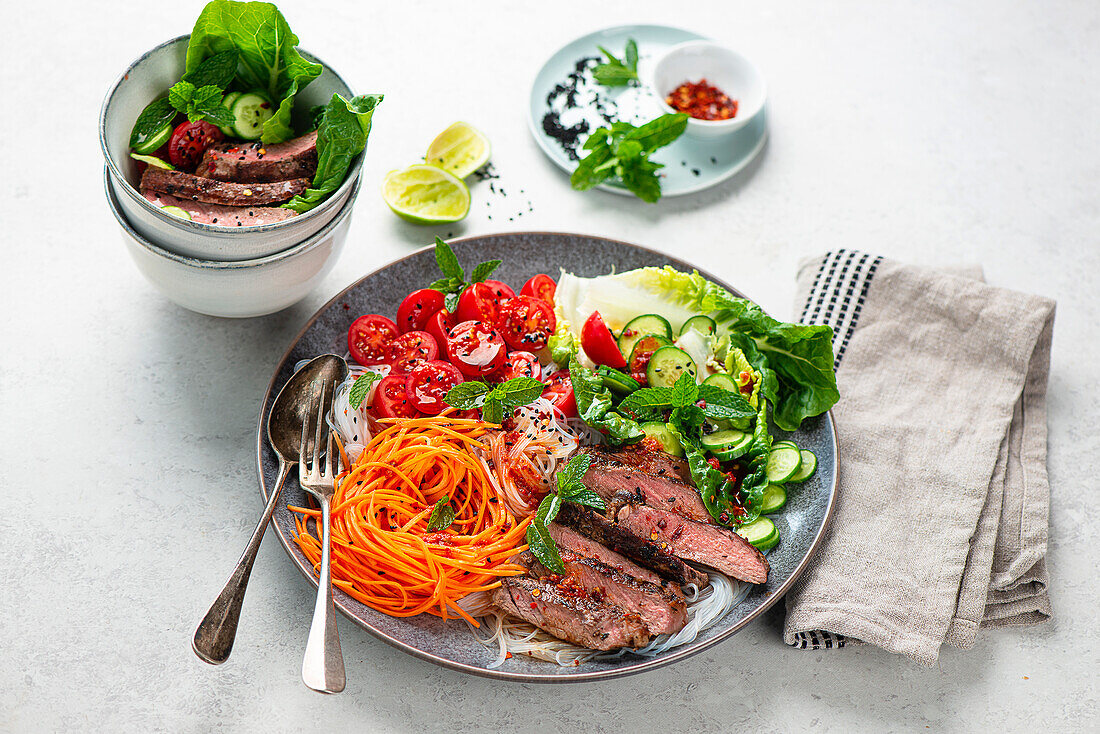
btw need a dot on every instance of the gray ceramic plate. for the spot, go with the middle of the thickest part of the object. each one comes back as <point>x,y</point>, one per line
<point>450,644</point>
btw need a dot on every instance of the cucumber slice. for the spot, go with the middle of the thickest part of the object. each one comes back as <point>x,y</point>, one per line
<point>152,160</point>
<point>665,436</point>
<point>617,382</point>
<point>723,381</point>
<point>227,103</point>
<point>643,350</point>
<point>809,466</point>
<point>773,499</point>
<point>703,324</point>
<point>251,111</point>
<point>667,364</point>
<point>157,139</point>
<point>761,532</point>
<point>787,444</point>
<point>726,441</point>
<point>783,462</point>
<point>175,211</point>
<point>640,326</point>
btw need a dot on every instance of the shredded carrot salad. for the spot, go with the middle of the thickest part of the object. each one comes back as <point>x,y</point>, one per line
<point>382,552</point>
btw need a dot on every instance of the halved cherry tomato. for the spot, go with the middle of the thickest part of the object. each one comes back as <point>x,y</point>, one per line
<point>477,303</point>
<point>500,290</point>
<point>559,391</point>
<point>417,308</point>
<point>410,348</point>
<point>391,400</point>
<point>526,323</point>
<point>518,364</point>
<point>540,286</point>
<point>189,141</point>
<point>439,325</point>
<point>369,338</point>
<point>429,382</point>
<point>598,342</point>
<point>639,358</point>
<point>475,348</point>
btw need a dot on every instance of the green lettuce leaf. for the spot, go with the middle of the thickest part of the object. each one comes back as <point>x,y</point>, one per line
<point>268,57</point>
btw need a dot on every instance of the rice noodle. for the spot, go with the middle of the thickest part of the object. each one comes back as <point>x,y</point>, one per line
<point>350,423</point>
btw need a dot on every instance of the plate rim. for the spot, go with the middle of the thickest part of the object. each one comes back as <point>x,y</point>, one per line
<point>729,173</point>
<point>634,668</point>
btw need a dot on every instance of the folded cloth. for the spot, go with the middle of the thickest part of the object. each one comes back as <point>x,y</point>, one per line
<point>940,525</point>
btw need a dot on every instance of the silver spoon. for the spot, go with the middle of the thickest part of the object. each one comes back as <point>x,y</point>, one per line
<point>213,640</point>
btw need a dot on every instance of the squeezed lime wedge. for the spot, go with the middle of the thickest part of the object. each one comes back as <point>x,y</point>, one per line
<point>425,194</point>
<point>460,150</point>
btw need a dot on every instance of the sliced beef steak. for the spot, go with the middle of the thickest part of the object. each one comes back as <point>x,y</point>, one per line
<point>207,190</point>
<point>654,477</point>
<point>225,216</point>
<point>571,540</point>
<point>661,611</point>
<point>627,542</point>
<point>710,545</point>
<point>579,619</point>
<point>257,163</point>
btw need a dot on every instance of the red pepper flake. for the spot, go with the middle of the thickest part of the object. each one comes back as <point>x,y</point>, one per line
<point>702,101</point>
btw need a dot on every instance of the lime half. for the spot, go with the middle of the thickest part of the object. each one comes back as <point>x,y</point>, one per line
<point>461,149</point>
<point>426,195</point>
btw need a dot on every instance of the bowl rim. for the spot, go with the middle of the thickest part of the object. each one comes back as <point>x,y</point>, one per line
<point>199,264</point>
<point>716,125</point>
<point>200,228</point>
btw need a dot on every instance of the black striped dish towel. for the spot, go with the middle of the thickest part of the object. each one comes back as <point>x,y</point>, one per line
<point>941,520</point>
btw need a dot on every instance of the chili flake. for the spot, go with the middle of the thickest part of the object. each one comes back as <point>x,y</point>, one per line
<point>702,101</point>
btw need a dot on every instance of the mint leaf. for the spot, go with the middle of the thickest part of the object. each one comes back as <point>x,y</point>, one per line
<point>542,546</point>
<point>180,95</point>
<point>548,509</point>
<point>361,387</point>
<point>519,391</point>
<point>659,132</point>
<point>443,515</point>
<point>447,261</point>
<point>615,72</point>
<point>622,152</point>
<point>571,475</point>
<point>483,270</point>
<point>155,116</point>
<point>649,403</point>
<point>467,395</point>
<point>684,392</point>
<point>631,56</point>
<point>724,404</point>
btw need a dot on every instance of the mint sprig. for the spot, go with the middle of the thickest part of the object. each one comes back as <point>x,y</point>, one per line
<point>454,279</point>
<point>443,515</point>
<point>494,400</point>
<point>570,488</point>
<point>359,389</point>
<point>615,72</point>
<point>200,103</point>
<point>622,152</point>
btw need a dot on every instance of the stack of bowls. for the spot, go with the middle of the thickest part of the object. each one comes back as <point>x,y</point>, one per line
<point>216,270</point>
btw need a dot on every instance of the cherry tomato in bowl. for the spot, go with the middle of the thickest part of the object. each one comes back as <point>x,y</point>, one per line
<point>189,141</point>
<point>500,290</point>
<point>526,323</point>
<point>369,338</point>
<point>598,343</point>
<point>417,309</point>
<point>477,303</point>
<point>475,348</point>
<point>439,325</point>
<point>391,399</point>
<point>518,364</point>
<point>429,382</point>
<point>540,286</point>
<point>559,391</point>
<point>411,348</point>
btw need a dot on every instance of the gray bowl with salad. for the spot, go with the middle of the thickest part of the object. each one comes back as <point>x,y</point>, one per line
<point>231,143</point>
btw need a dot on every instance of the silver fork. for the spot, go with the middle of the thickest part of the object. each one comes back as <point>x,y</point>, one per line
<point>323,664</point>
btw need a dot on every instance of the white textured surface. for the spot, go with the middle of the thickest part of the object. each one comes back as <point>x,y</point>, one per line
<point>918,130</point>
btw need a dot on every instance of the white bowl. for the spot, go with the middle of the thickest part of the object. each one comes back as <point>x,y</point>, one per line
<point>145,80</point>
<point>241,288</point>
<point>720,66</point>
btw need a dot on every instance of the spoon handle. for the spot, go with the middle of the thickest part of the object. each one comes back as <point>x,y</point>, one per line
<point>214,636</point>
<point>323,664</point>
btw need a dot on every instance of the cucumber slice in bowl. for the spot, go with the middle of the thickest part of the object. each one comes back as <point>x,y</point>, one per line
<point>156,140</point>
<point>667,364</point>
<point>703,324</point>
<point>250,112</point>
<point>783,463</point>
<point>152,160</point>
<point>640,326</point>
<point>774,499</point>
<point>664,435</point>
<point>722,380</point>
<point>762,533</point>
<point>807,469</point>
<point>227,103</point>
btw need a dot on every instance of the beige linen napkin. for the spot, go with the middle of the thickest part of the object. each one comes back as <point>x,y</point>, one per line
<point>941,517</point>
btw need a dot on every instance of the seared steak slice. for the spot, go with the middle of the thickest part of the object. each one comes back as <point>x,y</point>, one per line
<point>711,545</point>
<point>225,216</point>
<point>570,614</point>
<point>660,610</point>
<point>256,162</point>
<point>188,186</point>
<point>625,541</point>
<point>654,477</point>
<point>571,540</point>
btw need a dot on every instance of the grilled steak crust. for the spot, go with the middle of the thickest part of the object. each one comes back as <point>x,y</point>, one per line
<point>225,216</point>
<point>196,188</point>
<point>661,611</point>
<point>627,542</point>
<point>571,540</point>
<point>654,477</point>
<point>257,163</point>
<point>573,617</point>
<point>711,545</point>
